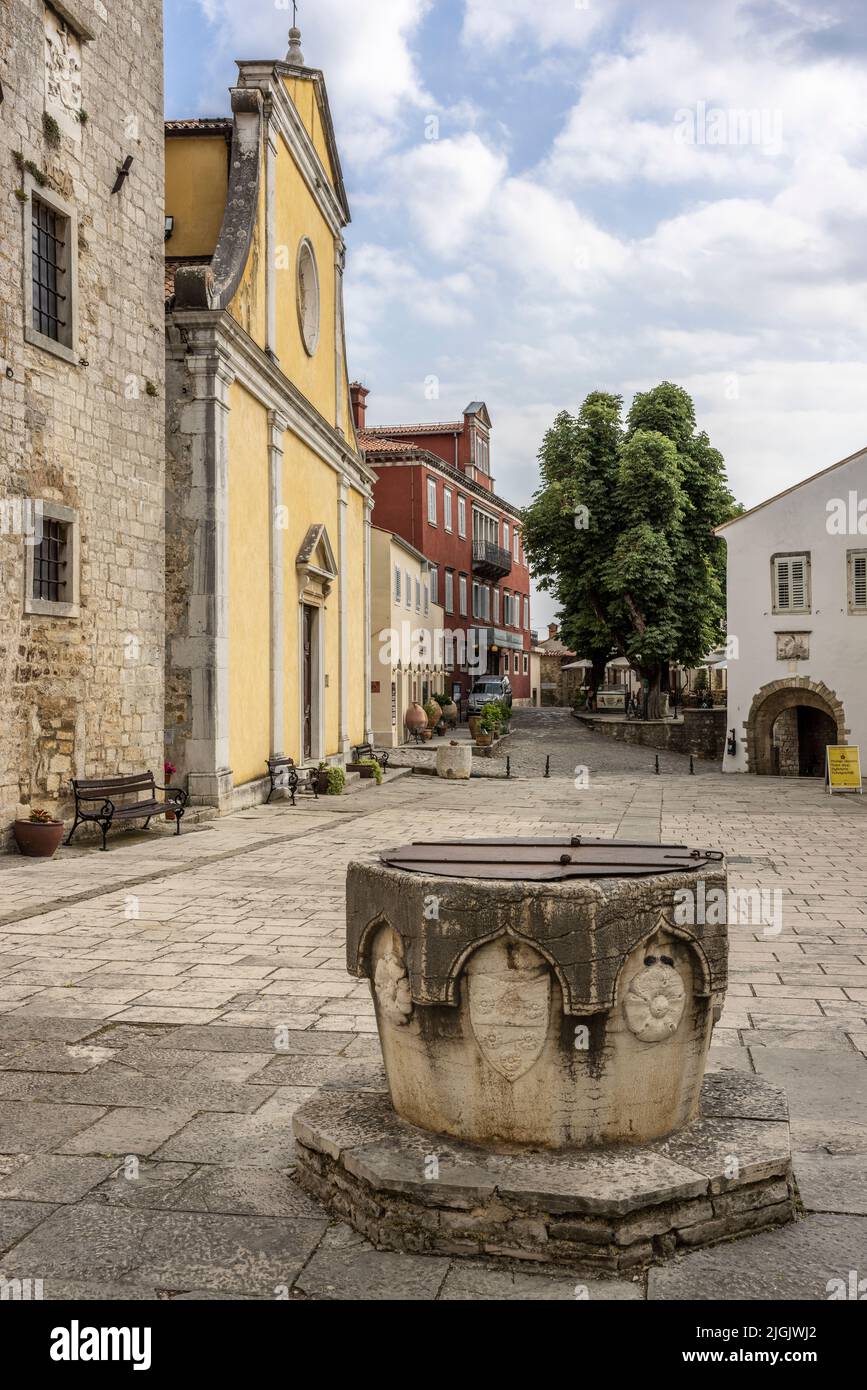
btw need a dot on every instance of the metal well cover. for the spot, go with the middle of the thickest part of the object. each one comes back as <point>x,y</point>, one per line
<point>546,859</point>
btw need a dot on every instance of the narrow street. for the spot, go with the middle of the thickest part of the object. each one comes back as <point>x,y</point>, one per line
<point>165,1007</point>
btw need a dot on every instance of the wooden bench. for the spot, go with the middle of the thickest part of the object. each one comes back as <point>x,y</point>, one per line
<point>365,750</point>
<point>105,790</point>
<point>287,776</point>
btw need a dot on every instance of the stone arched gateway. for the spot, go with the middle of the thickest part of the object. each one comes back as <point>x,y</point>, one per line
<point>773,700</point>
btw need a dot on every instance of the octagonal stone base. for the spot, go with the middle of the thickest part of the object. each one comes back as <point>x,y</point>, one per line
<point>727,1173</point>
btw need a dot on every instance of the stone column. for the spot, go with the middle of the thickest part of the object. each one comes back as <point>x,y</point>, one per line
<point>204,650</point>
<point>342,560</point>
<point>368,718</point>
<point>278,426</point>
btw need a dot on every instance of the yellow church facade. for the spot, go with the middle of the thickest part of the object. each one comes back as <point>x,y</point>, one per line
<point>268,503</point>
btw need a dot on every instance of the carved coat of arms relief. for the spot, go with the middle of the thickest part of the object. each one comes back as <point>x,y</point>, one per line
<point>509,988</point>
<point>62,73</point>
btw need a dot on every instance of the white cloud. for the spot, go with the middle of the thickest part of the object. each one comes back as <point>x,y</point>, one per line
<point>367,56</point>
<point>492,23</point>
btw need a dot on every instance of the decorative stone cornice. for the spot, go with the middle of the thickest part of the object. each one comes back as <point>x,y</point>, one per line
<point>195,332</point>
<point>266,77</point>
<point>213,286</point>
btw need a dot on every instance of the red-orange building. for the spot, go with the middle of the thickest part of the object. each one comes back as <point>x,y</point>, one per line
<point>435,489</point>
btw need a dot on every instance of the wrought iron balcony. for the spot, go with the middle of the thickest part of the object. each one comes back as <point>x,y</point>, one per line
<point>491,561</point>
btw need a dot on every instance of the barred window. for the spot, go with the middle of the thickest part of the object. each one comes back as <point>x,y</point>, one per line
<point>50,560</point>
<point>52,563</point>
<point>50,233</point>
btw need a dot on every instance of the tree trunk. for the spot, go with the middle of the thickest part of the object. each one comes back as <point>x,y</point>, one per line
<point>654,693</point>
<point>597,674</point>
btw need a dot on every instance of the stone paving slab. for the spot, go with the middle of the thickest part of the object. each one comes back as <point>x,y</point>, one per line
<point>795,1262</point>
<point>171,1250</point>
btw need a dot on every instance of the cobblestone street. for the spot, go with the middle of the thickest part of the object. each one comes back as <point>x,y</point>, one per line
<point>145,1105</point>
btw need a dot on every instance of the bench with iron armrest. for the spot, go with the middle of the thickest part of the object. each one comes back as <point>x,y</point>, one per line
<point>287,776</point>
<point>365,750</point>
<point>105,789</point>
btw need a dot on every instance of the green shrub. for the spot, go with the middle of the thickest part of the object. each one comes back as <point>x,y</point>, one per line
<point>434,713</point>
<point>377,770</point>
<point>336,781</point>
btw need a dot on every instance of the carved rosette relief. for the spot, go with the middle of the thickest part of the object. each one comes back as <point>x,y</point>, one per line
<point>62,73</point>
<point>391,983</point>
<point>654,1002</point>
<point>509,987</point>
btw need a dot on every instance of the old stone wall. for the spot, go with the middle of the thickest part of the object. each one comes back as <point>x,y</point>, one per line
<point>82,693</point>
<point>701,732</point>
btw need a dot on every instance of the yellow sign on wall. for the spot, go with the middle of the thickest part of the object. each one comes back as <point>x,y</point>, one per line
<point>843,768</point>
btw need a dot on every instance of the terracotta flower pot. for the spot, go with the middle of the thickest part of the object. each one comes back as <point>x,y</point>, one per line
<point>450,713</point>
<point>484,740</point>
<point>474,724</point>
<point>37,839</point>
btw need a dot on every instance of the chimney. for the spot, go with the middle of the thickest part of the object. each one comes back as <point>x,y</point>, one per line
<point>358,394</point>
<point>552,631</point>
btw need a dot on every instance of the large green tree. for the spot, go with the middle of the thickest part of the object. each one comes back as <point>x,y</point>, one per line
<point>621,532</point>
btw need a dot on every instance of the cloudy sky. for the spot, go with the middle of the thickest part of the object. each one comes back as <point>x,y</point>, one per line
<point>554,197</point>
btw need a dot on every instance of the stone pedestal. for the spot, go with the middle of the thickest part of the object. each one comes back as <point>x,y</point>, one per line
<point>611,1209</point>
<point>455,761</point>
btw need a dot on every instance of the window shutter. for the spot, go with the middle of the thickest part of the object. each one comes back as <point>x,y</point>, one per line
<point>784,584</point>
<point>859,581</point>
<point>799,583</point>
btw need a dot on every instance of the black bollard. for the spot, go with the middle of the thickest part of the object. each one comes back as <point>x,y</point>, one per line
<point>691,766</point>
<point>508,767</point>
<point>548,765</point>
<point>656,769</point>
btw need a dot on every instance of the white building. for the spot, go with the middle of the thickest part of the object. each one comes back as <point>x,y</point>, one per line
<point>797,623</point>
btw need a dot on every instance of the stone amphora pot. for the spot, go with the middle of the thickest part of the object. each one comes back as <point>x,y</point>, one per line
<point>415,718</point>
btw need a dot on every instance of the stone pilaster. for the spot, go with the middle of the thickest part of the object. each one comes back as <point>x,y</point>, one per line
<point>342,592</point>
<point>277,427</point>
<point>201,647</point>
<point>368,715</point>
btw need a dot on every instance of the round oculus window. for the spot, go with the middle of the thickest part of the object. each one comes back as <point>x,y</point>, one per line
<point>308,297</point>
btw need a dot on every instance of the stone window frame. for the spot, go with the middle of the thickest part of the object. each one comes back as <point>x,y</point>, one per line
<point>462,517</point>
<point>859,611</point>
<point>431,501</point>
<point>804,555</point>
<point>48,608</point>
<point>67,350</point>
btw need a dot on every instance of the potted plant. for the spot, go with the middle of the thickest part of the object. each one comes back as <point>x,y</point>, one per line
<point>39,836</point>
<point>489,724</point>
<point>369,767</point>
<point>169,769</point>
<point>449,709</point>
<point>330,780</point>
